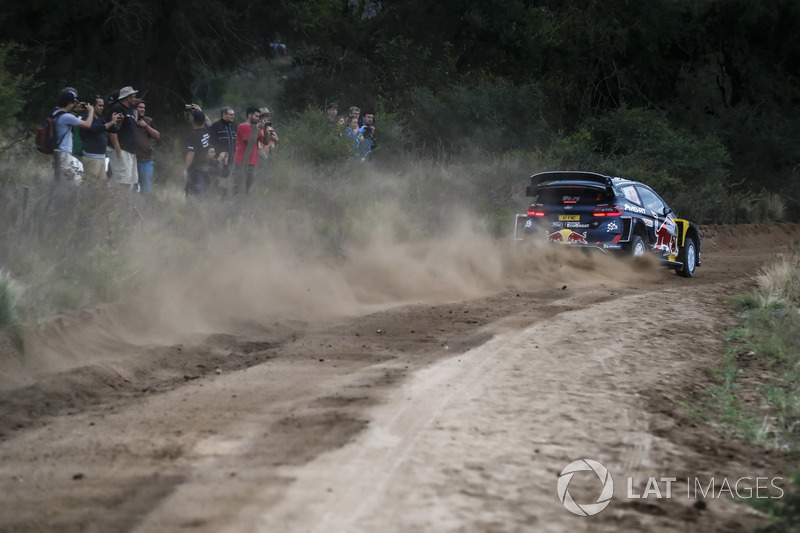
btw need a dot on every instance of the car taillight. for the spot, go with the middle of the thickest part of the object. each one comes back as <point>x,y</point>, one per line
<point>534,213</point>
<point>608,211</point>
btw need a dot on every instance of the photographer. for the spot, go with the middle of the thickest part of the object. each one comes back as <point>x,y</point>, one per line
<point>266,145</point>
<point>245,157</point>
<point>94,142</point>
<point>369,130</point>
<point>64,164</point>
<point>124,140</point>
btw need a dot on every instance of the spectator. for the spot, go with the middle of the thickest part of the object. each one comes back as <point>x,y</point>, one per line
<point>265,147</point>
<point>270,135</point>
<point>146,132</point>
<point>245,157</point>
<point>124,141</point>
<point>64,164</point>
<point>355,135</point>
<point>195,161</point>
<point>353,112</point>
<point>95,141</point>
<point>223,136</point>
<point>369,130</point>
<point>332,113</point>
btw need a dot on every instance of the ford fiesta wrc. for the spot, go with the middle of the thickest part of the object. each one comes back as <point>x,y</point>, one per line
<point>592,211</point>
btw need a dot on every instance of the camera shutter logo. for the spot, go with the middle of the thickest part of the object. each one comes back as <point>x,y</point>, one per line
<point>587,509</point>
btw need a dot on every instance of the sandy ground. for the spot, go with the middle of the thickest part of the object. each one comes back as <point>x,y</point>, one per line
<point>428,388</point>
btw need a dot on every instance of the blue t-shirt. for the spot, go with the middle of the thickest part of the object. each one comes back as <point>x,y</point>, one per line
<point>64,124</point>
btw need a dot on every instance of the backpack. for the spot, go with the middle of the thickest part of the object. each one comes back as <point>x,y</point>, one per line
<point>46,140</point>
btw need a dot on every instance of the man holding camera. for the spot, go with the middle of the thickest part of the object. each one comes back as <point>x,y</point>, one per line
<point>95,142</point>
<point>123,141</point>
<point>245,157</point>
<point>369,130</point>
<point>64,164</point>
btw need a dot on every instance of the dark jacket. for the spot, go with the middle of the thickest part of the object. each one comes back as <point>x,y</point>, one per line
<point>223,137</point>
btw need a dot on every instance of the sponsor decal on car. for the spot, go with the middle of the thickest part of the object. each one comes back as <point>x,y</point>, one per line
<point>612,226</point>
<point>635,209</point>
<point>567,236</point>
<point>666,237</point>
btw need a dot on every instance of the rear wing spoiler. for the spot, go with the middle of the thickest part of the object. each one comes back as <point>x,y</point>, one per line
<point>585,178</point>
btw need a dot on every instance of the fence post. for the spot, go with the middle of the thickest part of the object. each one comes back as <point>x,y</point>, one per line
<point>25,193</point>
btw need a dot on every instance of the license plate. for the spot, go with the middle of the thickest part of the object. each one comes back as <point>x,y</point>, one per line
<point>569,218</point>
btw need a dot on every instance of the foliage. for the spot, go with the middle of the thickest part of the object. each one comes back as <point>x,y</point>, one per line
<point>14,84</point>
<point>157,47</point>
<point>784,512</point>
<point>653,86</point>
<point>488,118</point>
<point>9,295</point>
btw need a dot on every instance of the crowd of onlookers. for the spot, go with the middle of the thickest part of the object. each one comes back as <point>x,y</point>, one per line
<point>360,129</point>
<point>103,142</point>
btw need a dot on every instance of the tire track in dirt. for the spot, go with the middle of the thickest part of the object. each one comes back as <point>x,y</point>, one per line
<point>476,442</point>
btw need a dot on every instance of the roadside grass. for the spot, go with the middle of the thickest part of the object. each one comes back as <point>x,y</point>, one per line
<point>9,295</point>
<point>757,396</point>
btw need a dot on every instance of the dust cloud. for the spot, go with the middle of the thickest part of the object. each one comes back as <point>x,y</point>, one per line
<point>262,268</point>
<point>276,280</point>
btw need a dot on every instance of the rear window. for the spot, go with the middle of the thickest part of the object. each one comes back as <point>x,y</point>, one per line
<point>571,195</point>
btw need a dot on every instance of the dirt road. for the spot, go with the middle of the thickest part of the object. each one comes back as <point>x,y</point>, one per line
<point>426,388</point>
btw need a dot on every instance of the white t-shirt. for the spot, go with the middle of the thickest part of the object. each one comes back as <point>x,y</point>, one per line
<point>64,124</point>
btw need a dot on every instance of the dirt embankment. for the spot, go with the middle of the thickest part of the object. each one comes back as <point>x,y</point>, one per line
<point>433,387</point>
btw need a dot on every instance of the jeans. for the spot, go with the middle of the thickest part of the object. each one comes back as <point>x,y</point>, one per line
<point>195,183</point>
<point>243,175</point>
<point>145,169</point>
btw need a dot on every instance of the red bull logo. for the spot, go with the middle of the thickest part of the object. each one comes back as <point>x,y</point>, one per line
<point>577,238</point>
<point>567,236</point>
<point>665,239</point>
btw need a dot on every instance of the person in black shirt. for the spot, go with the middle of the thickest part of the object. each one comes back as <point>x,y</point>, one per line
<point>195,162</point>
<point>95,141</point>
<point>223,135</point>
<point>124,140</point>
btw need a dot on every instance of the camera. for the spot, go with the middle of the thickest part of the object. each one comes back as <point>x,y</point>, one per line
<point>188,107</point>
<point>267,123</point>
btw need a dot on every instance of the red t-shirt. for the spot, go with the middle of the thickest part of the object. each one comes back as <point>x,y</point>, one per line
<point>242,136</point>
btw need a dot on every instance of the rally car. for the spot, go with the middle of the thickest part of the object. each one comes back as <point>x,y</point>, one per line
<point>589,210</point>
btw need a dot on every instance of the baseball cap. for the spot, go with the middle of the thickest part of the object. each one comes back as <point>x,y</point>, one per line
<point>68,94</point>
<point>198,116</point>
<point>126,91</point>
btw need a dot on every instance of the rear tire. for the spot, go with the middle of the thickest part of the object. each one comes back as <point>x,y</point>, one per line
<point>637,247</point>
<point>687,256</point>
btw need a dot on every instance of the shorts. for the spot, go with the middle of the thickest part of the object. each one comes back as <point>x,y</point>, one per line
<point>123,167</point>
